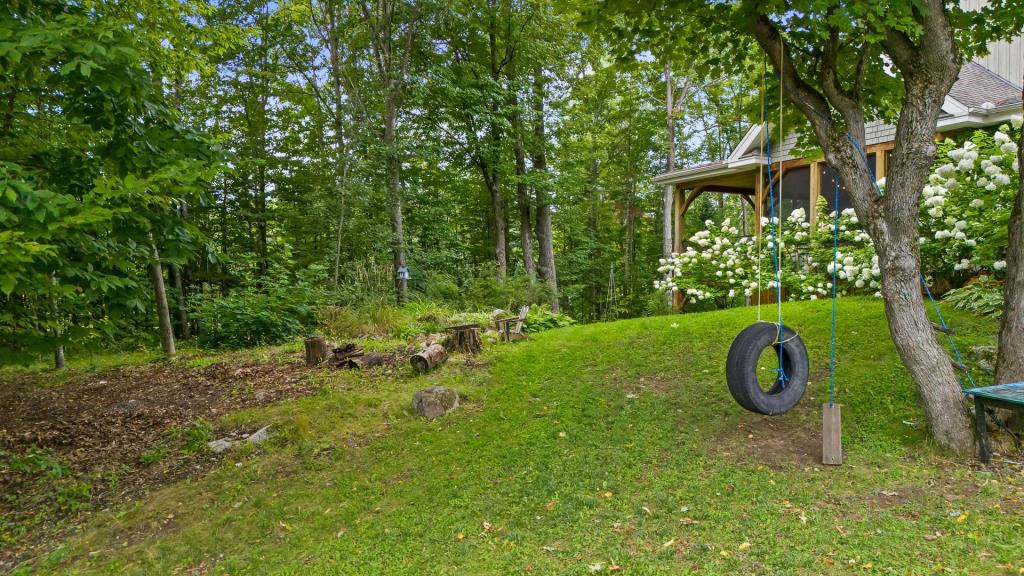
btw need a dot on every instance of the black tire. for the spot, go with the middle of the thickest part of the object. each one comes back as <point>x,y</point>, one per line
<point>741,369</point>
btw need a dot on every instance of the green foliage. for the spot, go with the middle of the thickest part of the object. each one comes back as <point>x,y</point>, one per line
<point>541,318</point>
<point>279,310</point>
<point>35,463</point>
<point>984,297</point>
<point>195,436</point>
<point>153,455</point>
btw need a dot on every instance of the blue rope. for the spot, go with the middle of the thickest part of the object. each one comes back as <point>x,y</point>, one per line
<point>949,336</point>
<point>835,268</point>
<point>781,379</point>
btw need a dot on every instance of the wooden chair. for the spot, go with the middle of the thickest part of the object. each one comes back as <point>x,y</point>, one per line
<point>510,331</point>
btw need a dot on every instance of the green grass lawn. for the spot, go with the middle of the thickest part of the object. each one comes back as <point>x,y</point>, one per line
<point>600,448</point>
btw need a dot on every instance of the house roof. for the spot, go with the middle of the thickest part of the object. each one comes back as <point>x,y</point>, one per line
<point>977,86</point>
<point>979,98</point>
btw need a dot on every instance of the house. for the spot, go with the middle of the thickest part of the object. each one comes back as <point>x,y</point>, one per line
<point>986,94</point>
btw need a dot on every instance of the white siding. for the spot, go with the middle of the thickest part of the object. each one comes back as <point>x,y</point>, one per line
<point>1005,58</point>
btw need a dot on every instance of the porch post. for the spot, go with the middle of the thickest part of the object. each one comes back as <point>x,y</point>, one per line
<point>815,192</point>
<point>677,239</point>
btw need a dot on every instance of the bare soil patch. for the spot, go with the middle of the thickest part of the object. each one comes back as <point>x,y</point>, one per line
<point>773,441</point>
<point>84,441</point>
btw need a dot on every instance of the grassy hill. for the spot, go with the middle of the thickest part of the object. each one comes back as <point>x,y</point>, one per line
<point>605,448</point>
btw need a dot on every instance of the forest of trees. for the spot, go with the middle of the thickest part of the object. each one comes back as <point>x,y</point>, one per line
<point>491,151</point>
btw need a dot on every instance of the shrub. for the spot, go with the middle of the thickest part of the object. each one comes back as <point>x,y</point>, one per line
<point>541,318</point>
<point>271,314</point>
<point>983,297</point>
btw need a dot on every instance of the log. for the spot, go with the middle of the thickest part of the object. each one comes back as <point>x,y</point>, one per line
<point>465,338</point>
<point>429,358</point>
<point>316,350</point>
<point>371,360</point>
<point>344,356</point>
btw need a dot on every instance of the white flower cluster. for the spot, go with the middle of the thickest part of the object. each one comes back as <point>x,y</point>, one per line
<point>966,201</point>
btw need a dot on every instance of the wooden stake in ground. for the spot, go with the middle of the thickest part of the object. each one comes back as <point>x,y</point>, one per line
<point>831,435</point>
<point>429,358</point>
<point>316,350</point>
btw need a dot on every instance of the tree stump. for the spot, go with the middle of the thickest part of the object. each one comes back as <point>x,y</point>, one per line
<point>464,338</point>
<point>429,358</point>
<point>316,350</point>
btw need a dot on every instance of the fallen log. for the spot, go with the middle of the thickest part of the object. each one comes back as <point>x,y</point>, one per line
<point>343,356</point>
<point>429,358</point>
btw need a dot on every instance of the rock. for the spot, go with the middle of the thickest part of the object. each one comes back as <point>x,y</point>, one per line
<point>220,445</point>
<point>225,444</point>
<point>260,435</point>
<point>435,401</point>
<point>985,357</point>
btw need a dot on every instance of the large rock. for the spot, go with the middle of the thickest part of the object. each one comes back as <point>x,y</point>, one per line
<point>435,401</point>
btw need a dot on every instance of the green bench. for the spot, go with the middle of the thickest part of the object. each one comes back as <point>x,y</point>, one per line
<point>999,396</point>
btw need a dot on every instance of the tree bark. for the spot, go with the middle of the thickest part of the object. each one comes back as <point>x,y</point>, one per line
<point>395,193</point>
<point>316,350</point>
<point>670,165</point>
<point>429,358</point>
<point>546,268</point>
<point>492,179</point>
<point>929,67</point>
<point>58,351</point>
<point>156,274</point>
<point>522,192</point>
<point>1010,360</point>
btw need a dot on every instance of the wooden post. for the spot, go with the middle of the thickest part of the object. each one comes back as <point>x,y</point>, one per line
<point>831,435</point>
<point>758,202</point>
<point>984,454</point>
<point>429,358</point>
<point>316,350</point>
<point>677,239</point>
<point>815,192</point>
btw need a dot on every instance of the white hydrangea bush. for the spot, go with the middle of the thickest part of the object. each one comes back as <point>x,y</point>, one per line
<point>718,264</point>
<point>965,207</point>
<point>721,265</point>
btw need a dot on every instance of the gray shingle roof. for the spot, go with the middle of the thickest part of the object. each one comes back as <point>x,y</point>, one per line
<point>978,85</point>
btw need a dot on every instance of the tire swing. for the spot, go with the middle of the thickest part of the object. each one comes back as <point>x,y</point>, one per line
<point>787,386</point>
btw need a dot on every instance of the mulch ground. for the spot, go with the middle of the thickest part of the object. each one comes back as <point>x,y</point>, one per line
<point>96,428</point>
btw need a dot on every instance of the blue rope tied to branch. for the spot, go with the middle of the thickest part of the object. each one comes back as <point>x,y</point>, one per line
<point>949,336</point>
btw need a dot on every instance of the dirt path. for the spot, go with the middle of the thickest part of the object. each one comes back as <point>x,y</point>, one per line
<point>66,449</point>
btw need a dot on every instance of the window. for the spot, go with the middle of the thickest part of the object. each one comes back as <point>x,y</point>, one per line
<point>795,192</point>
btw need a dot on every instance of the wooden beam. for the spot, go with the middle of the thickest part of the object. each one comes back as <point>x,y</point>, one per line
<point>881,164</point>
<point>728,189</point>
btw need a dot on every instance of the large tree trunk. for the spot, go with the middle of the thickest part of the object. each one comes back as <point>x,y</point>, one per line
<point>156,274</point>
<point>522,192</point>
<point>546,268</point>
<point>1010,362</point>
<point>493,181</point>
<point>929,68</point>
<point>180,305</point>
<point>58,351</point>
<point>670,165</point>
<point>395,192</point>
